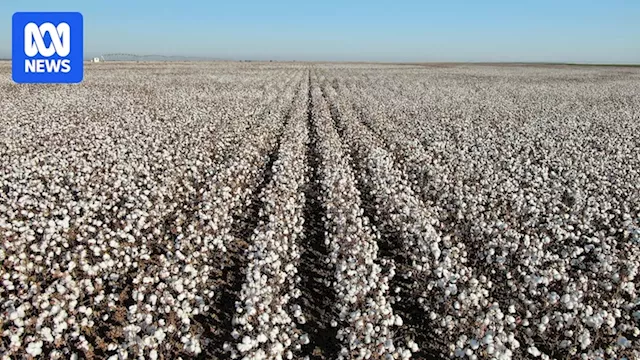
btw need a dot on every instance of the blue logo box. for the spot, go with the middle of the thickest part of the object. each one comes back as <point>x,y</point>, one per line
<point>47,47</point>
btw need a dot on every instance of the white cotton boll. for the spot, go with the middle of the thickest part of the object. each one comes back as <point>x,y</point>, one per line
<point>388,344</point>
<point>18,322</point>
<point>398,320</point>
<point>468,352</point>
<point>474,344</point>
<point>544,320</point>
<point>34,348</point>
<point>178,287</point>
<point>262,338</point>
<point>159,335</point>
<point>413,346</point>
<point>15,340</point>
<point>534,351</point>
<point>624,342</point>
<point>436,251</point>
<point>277,348</point>
<point>584,339</point>
<point>46,334</point>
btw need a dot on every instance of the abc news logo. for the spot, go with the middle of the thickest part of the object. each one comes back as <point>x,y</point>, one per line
<point>47,47</point>
<point>34,45</point>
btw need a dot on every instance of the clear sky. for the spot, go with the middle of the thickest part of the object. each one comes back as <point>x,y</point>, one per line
<point>605,31</point>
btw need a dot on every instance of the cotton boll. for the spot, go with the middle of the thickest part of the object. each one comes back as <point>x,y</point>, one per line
<point>34,348</point>
<point>534,351</point>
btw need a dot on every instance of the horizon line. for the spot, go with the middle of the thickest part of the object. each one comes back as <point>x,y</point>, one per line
<point>180,58</point>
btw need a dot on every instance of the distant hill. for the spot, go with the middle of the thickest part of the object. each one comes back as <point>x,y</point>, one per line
<point>137,57</point>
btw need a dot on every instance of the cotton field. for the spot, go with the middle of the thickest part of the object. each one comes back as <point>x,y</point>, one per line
<point>321,211</point>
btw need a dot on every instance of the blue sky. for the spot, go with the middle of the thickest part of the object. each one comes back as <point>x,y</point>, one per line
<point>606,31</point>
